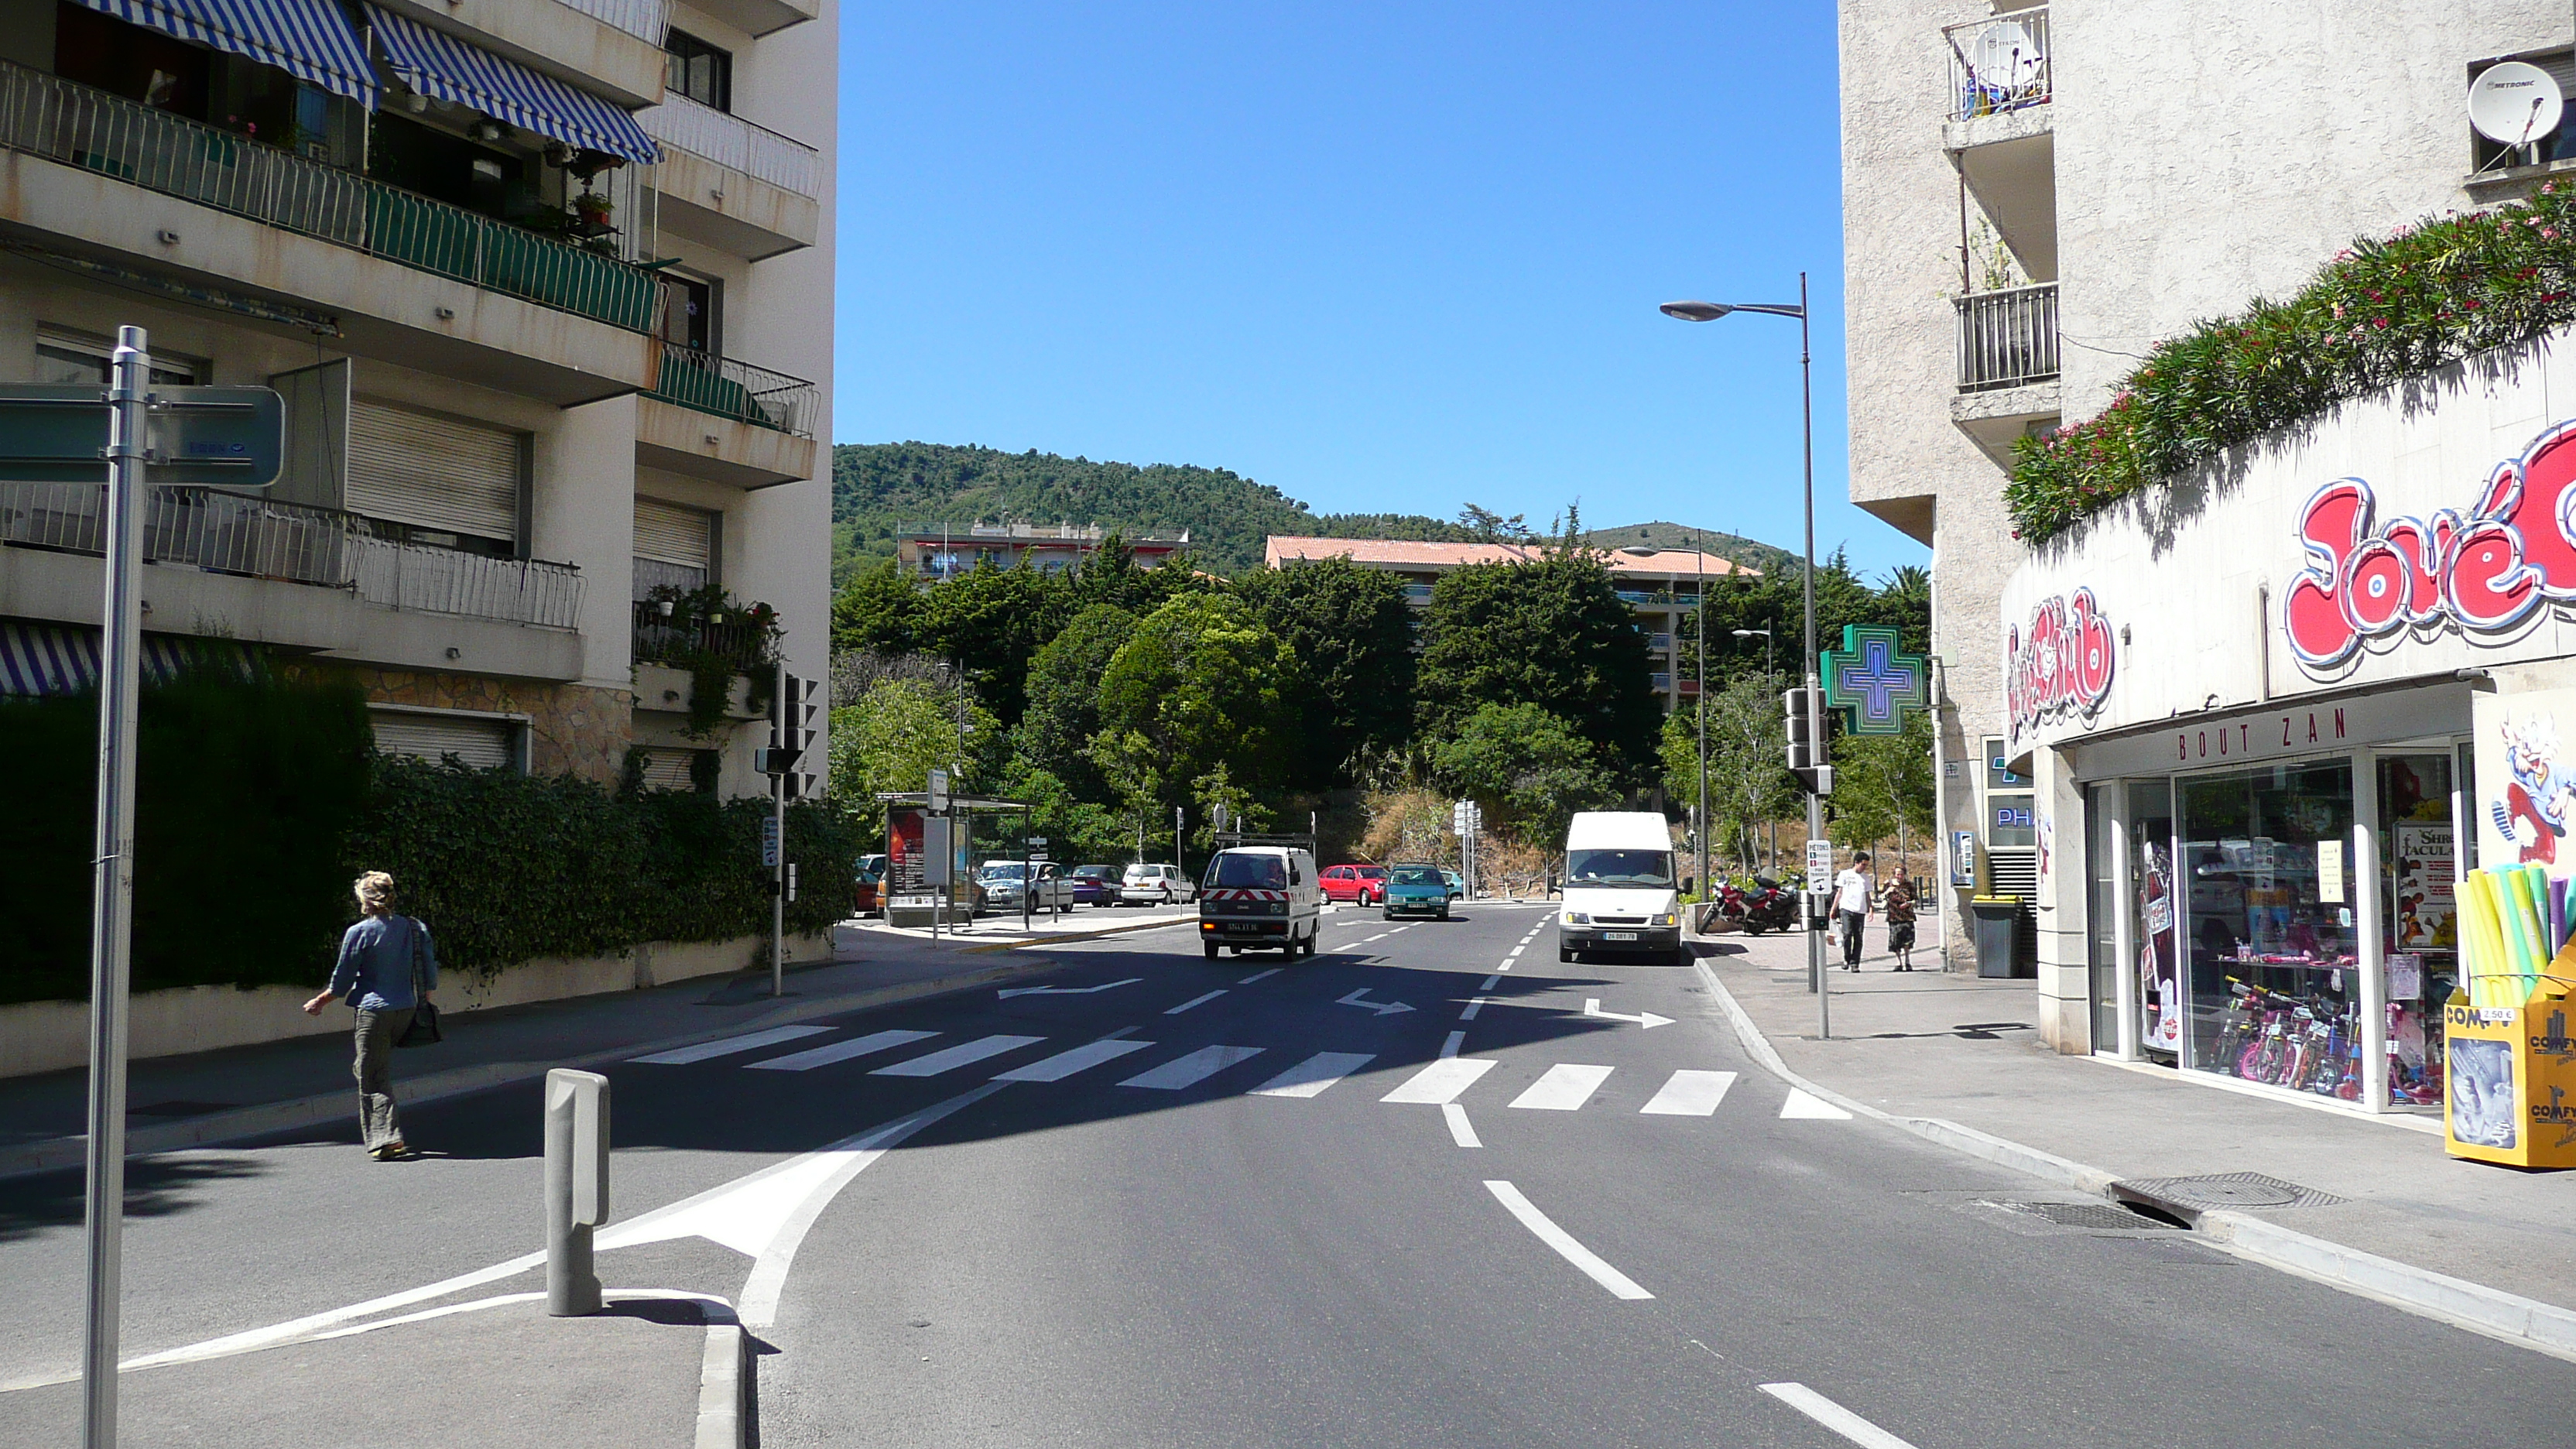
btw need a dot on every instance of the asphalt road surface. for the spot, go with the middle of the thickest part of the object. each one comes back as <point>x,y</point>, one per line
<point>1429,1187</point>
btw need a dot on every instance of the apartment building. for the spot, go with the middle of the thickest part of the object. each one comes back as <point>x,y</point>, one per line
<point>547,288</point>
<point>933,551</point>
<point>2130,732</point>
<point>1662,584</point>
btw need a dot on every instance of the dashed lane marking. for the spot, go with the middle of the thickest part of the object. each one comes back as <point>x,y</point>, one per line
<point>1592,1264</point>
<point>1490,983</point>
<point>1473,1007</point>
<point>1450,1047</point>
<point>1461,1131</point>
<point>1260,976</point>
<point>1196,1001</point>
<point>1834,1416</point>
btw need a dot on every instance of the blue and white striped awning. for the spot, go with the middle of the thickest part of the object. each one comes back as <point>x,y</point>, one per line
<point>309,39</point>
<point>63,658</point>
<point>445,68</point>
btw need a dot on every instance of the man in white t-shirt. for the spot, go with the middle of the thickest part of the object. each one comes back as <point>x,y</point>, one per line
<point>1851,906</point>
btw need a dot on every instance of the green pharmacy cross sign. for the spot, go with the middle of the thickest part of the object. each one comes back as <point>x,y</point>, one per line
<point>1873,679</point>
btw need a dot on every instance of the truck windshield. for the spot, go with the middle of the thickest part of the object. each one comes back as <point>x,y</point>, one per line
<point>1619,868</point>
<point>1246,871</point>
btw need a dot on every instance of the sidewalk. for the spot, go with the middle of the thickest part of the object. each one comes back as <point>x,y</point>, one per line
<point>185,1101</point>
<point>1078,924</point>
<point>1956,1049</point>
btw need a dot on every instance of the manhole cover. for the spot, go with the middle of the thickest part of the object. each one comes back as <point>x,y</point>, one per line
<point>2224,1190</point>
<point>2100,1216</point>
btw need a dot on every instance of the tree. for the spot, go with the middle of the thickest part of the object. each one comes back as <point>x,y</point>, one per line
<point>1488,526</point>
<point>1553,633</point>
<point>1063,713</point>
<point>990,622</point>
<point>1528,767</point>
<point>1351,633</point>
<point>1200,684</point>
<point>1749,784</point>
<point>891,738</point>
<point>878,612</point>
<point>1883,784</point>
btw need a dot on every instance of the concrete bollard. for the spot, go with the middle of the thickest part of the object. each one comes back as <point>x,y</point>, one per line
<point>576,1187</point>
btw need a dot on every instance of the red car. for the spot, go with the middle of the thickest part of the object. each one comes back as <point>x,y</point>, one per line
<point>1365,884</point>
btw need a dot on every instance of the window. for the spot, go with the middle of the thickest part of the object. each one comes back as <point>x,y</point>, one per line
<point>699,71</point>
<point>1618,868</point>
<point>689,312</point>
<point>73,360</point>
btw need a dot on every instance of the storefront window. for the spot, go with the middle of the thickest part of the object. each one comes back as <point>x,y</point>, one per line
<point>2273,984</point>
<point>2418,845</point>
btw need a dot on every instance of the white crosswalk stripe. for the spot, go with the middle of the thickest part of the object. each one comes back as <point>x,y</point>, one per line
<point>1310,1077</point>
<point>1802,1105</point>
<point>1690,1094</point>
<point>1190,1070</point>
<point>1441,1081</point>
<point>1564,1087</point>
<point>840,1051</point>
<point>963,1054</point>
<point>727,1046</point>
<point>1065,1063</point>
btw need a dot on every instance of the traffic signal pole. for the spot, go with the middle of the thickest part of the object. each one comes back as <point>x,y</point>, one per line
<point>779,738</point>
<point>1815,685</point>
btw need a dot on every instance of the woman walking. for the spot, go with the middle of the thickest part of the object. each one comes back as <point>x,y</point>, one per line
<point>387,967</point>
<point>1900,919</point>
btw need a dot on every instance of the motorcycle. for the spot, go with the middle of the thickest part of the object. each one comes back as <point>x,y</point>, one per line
<point>1766,906</point>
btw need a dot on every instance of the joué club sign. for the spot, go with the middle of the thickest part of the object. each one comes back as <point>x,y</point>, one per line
<point>2061,666</point>
<point>2487,572</point>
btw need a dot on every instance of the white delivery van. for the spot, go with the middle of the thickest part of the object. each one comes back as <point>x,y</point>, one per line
<point>1619,886</point>
<point>1257,897</point>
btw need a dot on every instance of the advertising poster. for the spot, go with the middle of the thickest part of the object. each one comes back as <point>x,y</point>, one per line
<point>2426,868</point>
<point>2526,785</point>
<point>903,854</point>
<point>2159,962</point>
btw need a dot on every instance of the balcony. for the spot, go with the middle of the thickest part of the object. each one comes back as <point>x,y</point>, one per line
<point>735,186</point>
<point>2007,338</point>
<point>761,17</point>
<point>1998,131</point>
<point>660,640</point>
<point>1999,64</point>
<point>1659,643</point>
<point>610,45</point>
<point>100,136</point>
<point>728,422</point>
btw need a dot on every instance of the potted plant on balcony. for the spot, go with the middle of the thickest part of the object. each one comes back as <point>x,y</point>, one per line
<point>714,637</point>
<point>594,208</point>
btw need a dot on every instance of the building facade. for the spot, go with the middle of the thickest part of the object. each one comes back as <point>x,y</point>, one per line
<point>934,551</point>
<point>546,287</point>
<point>1662,584</point>
<point>2034,197</point>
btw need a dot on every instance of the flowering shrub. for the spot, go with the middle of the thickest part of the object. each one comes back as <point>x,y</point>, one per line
<point>2429,295</point>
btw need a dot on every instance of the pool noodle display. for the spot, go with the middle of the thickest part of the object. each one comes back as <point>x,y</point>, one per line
<point>2514,921</point>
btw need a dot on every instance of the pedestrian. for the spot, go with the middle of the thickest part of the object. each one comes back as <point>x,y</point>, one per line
<point>1900,919</point>
<point>1852,893</point>
<point>387,967</point>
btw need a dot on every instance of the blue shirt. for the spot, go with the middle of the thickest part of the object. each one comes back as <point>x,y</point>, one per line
<point>375,970</point>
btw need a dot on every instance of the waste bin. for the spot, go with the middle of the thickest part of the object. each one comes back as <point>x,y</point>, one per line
<point>1998,920</point>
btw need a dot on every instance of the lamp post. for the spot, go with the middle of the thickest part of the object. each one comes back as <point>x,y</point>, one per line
<point>1710,312</point>
<point>1771,687</point>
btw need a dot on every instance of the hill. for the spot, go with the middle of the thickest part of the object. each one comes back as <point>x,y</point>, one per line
<point>1752,553</point>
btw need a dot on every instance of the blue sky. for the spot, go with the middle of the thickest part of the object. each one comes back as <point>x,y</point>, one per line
<point>1392,257</point>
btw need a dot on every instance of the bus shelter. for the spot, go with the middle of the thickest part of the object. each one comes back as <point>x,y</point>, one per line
<point>970,829</point>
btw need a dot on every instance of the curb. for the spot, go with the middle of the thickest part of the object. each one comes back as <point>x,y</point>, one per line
<point>55,1154</point>
<point>1119,930</point>
<point>2524,1322</point>
<point>724,1389</point>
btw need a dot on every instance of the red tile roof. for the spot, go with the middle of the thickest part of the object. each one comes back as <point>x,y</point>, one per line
<point>1662,562</point>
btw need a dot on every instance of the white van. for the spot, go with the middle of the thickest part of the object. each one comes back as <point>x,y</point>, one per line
<point>1261,897</point>
<point>1619,886</point>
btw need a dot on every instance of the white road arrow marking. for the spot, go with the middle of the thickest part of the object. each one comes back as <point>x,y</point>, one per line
<point>1065,990</point>
<point>1646,1019</point>
<point>1382,1008</point>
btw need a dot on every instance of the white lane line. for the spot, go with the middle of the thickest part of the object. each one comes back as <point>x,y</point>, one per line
<point>1260,976</point>
<point>1187,1071</point>
<point>1490,982</point>
<point>1450,1047</point>
<point>839,1051</point>
<point>1065,1063</point>
<point>1380,936</point>
<point>1196,1001</point>
<point>1689,1094</point>
<point>963,1054</point>
<point>727,1046</point>
<point>1516,950</point>
<point>1801,1106</point>
<point>1565,1087</point>
<point>1461,1131</point>
<point>1834,1416</point>
<point>1399,928</point>
<point>1310,1077</point>
<point>1441,1082</point>
<point>1506,966</point>
<point>1473,1007</point>
<point>1619,1284</point>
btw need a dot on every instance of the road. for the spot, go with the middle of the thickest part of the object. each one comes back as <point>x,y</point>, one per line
<point>1165,1201</point>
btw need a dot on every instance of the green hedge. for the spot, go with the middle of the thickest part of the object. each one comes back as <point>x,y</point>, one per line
<point>258,803</point>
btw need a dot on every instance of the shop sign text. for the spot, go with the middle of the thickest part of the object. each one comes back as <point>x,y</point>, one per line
<point>2298,730</point>
<point>2513,554</point>
<point>2063,666</point>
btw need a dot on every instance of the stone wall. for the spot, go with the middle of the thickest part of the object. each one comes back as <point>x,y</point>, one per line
<point>573,729</point>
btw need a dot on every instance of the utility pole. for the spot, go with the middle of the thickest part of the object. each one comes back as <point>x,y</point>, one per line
<point>1815,685</point>
<point>1699,702</point>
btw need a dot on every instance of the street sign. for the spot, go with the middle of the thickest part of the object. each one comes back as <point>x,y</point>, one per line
<point>939,792</point>
<point>229,436</point>
<point>769,841</point>
<point>1039,841</point>
<point>1820,863</point>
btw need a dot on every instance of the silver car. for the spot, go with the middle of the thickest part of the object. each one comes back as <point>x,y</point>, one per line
<point>1156,885</point>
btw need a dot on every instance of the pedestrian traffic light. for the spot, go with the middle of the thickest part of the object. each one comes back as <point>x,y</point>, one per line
<point>793,708</point>
<point>1805,713</point>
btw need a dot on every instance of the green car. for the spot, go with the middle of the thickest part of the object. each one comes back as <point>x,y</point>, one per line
<point>1416,890</point>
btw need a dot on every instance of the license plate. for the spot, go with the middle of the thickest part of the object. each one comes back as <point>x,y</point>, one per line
<point>1244,928</point>
<point>1618,935</point>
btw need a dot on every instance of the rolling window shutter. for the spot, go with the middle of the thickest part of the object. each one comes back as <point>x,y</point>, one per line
<point>433,472</point>
<point>481,743</point>
<point>668,769</point>
<point>668,533</point>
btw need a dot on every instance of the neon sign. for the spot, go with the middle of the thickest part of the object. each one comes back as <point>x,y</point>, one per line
<point>2513,554</point>
<point>2062,667</point>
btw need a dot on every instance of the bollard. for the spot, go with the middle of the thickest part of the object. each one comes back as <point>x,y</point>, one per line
<point>576,1187</point>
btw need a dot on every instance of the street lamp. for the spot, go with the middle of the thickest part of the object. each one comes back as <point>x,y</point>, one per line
<point>1771,687</point>
<point>1710,312</point>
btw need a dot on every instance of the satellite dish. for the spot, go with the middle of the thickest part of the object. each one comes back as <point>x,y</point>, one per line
<point>2004,54</point>
<point>2515,103</point>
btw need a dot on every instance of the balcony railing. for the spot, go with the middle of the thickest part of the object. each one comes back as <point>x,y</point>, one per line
<point>2007,338</point>
<point>729,140</point>
<point>737,390</point>
<point>645,19</point>
<point>1998,64</point>
<point>658,640</point>
<point>253,537</point>
<point>63,121</point>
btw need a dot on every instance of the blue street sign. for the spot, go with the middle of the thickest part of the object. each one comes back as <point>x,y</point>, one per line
<point>233,437</point>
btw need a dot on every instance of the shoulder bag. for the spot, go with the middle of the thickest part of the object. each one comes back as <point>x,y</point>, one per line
<point>423,1030</point>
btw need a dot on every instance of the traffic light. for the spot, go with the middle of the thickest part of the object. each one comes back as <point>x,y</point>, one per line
<point>792,710</point>
<point>1805,711</point>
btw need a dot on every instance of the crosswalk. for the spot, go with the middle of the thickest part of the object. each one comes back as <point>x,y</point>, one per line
<point>1442,1082</point>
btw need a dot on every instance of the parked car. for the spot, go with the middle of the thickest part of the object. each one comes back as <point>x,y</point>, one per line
<point>1095,885</point>
<point>1360,884</point>
<point>869,880</point>
<point>1156,885</point>
<point>1261,897</point>
<point>1416,890</point>
<point>1457,887</point>
<point>1001,883</point>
